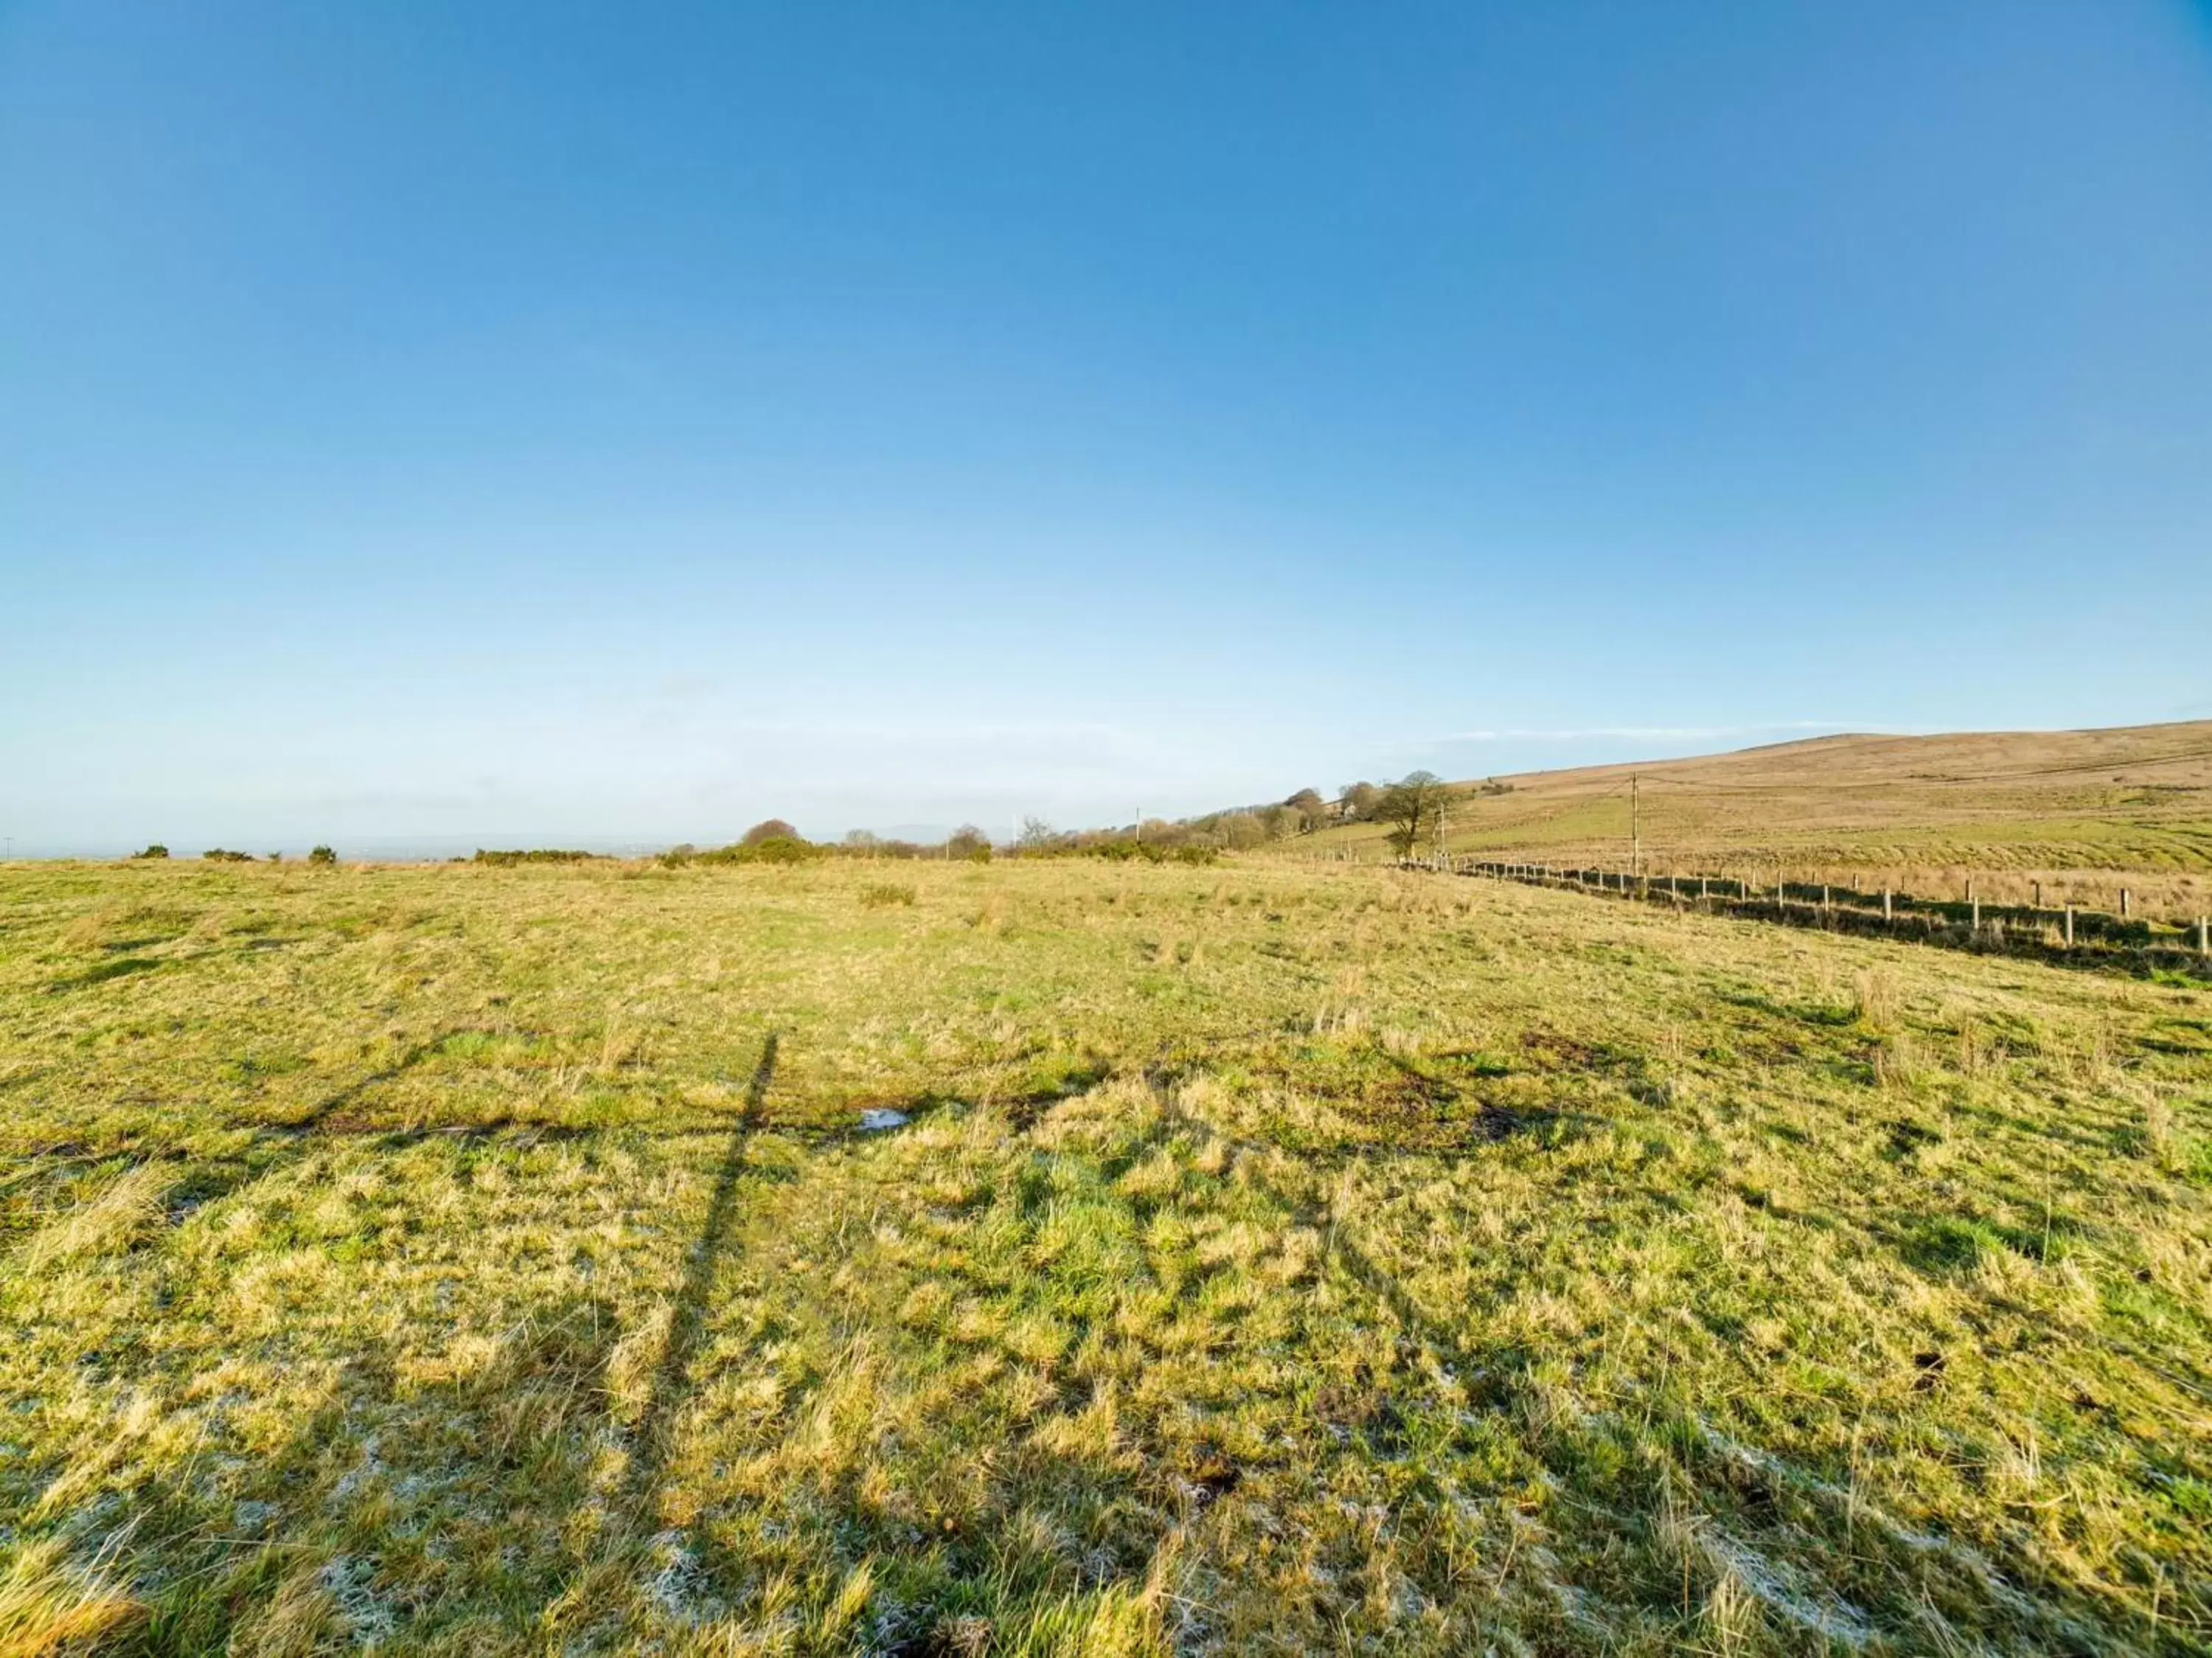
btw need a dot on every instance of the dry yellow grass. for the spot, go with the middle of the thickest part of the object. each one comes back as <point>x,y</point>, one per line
<point>1275,1259</point>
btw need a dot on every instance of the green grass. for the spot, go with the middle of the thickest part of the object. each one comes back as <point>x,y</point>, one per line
<point>1275,1259</point>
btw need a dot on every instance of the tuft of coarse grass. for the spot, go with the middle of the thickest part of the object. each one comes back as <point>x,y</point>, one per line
<point>109,1221</point>
<point>49,1607</point>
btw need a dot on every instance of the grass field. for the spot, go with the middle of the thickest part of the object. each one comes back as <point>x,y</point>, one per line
<point>1275,1259</point>
<point>2085,812</point>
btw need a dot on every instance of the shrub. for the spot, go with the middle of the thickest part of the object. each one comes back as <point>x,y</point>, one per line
<point>775,849</point>
<point>1151,851</point>
<point>969,843</point>
<point>322,854</point>
<point>537,855</point>
<point>156,851</point>
<point>885,893</point>
<point>782,849</point>
<point>217,854</point>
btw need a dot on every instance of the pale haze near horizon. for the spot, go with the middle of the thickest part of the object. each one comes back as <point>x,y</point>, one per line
<point>422,428</point>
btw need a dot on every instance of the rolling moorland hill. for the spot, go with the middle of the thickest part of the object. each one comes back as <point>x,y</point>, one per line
<point>2080,808</point>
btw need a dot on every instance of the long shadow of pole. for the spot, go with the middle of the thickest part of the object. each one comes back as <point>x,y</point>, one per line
<point>672,1377</point>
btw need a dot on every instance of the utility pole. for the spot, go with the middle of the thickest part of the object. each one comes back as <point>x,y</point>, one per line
<point>1635,830</point>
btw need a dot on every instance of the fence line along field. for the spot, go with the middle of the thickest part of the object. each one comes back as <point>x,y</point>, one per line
<point>2124,941</point>
<point>1261,1259</point>
<point>2080,813</point>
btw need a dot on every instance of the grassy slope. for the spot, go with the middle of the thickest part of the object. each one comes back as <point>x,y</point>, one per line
<point>2136,799</point>
<point>1278,1260</point>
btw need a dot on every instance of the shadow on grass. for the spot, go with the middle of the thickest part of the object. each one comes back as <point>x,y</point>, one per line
<point>1830,1568</point>
<point>323,1110</point>
<point>672,1375</point>
<point>101,972</point>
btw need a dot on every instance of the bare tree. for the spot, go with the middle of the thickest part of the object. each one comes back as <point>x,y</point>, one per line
<point>1240,831</point>
<point>1410,807</point>
<point>771,829</point>
<point>1037,835</point>
<point>1357,802</point>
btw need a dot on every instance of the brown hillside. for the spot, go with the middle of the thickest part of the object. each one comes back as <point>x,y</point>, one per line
<point>2078,808</point>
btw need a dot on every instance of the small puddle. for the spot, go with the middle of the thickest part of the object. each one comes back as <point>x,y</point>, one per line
<point>876,1119</point>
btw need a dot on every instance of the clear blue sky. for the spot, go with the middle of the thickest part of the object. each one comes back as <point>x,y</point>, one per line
<point>427,425</point>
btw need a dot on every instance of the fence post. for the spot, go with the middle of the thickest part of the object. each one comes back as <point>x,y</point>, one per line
<point>1886,916</point>
<point>1975,904</point>
<point>2203,937</point>
<point>2124,904</point>
<point>2070,926</point>
<point>2039,895</point>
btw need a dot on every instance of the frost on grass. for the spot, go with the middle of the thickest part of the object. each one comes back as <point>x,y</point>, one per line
<point>677,1589</point>
<point>367,1615</point>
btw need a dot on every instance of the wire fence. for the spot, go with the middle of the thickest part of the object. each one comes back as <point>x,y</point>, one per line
<point>2063,934</point>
